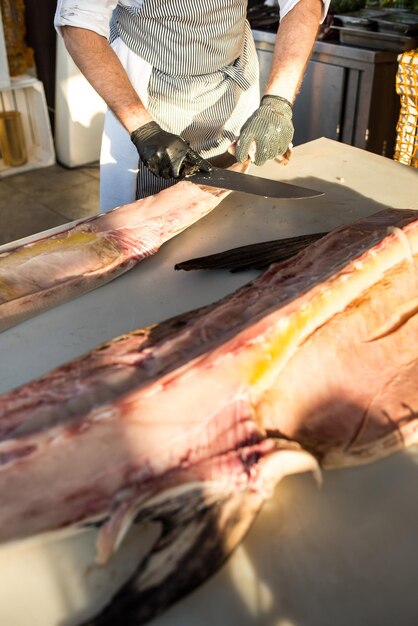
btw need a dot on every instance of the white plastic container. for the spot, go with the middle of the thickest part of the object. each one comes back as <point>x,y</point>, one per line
<point>26,95</point>
<point>79,114</point>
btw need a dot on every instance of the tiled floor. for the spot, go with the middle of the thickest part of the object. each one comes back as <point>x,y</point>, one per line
<point>40,199</point>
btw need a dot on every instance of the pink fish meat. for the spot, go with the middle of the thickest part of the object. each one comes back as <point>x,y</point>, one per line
<point>194,421</point>
<point>56,268</point>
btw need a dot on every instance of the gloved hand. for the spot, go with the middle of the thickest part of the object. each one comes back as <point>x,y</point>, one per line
<point>165,154</point>
<point>270,128</point>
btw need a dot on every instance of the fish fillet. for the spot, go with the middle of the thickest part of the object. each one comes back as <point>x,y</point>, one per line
<point>194,421</point>
<point>56,268</point>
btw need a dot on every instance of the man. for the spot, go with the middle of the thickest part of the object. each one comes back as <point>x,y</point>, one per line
<point>180,78</point>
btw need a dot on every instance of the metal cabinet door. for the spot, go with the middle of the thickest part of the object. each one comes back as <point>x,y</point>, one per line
<point>319,106</point>
<point>318,109</point>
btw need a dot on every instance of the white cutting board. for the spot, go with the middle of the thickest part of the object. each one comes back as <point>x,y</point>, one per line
<point>341,555</point>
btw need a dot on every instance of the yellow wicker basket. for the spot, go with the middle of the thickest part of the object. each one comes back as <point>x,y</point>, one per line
<point>19,55</point>
<point>406,150</point>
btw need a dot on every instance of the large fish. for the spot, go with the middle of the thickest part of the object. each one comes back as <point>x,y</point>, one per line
<point>194,421</point>
<point>55,268</point>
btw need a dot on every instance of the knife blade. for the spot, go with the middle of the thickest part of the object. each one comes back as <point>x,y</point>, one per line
<point>247,183</point>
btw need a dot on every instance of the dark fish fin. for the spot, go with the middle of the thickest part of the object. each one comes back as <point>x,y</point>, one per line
<point>253,256</point>
<point>198,534</point>
<point>202,523</point>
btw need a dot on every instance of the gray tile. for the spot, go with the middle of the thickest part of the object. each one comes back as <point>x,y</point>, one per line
<point>6,190</point>
<point>20,217</point>
<point>74,203</point>
<point>91,170</point>
<point>48,179</point>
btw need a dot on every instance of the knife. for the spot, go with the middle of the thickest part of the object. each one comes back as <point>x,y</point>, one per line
<point>247,183</point>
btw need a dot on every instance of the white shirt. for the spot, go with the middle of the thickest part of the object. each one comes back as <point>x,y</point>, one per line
<point>95,14</point>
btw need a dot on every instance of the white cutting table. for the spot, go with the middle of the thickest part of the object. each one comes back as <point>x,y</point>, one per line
<point>342,555</point>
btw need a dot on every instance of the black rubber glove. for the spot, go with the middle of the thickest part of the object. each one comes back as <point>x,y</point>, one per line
<point>270,128</point>
<point>165,154</point>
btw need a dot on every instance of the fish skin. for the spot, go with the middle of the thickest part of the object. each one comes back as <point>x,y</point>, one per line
<point>53,269</point>
<point>191,417</point>
<point>256,256</point>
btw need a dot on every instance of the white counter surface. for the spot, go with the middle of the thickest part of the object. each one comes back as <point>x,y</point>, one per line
<point>346,554</point>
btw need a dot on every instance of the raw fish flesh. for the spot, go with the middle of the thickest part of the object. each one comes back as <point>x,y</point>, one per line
<point>194,421</point>
<point>59,267</point>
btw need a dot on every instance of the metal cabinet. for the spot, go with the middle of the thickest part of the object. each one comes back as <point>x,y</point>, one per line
<point>348,94</point>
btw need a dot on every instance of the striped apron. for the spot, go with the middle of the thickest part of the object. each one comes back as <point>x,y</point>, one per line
<point>194,65</point>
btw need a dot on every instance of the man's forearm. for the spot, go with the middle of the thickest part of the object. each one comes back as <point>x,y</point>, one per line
<point>97,61</point>
<point>294,42</point>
